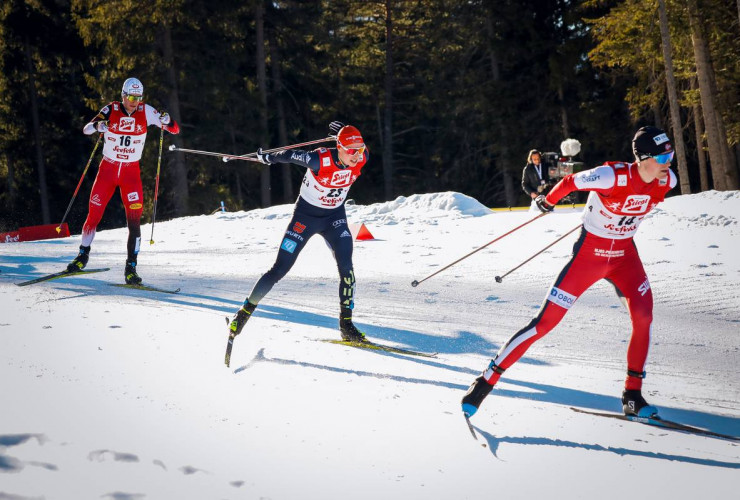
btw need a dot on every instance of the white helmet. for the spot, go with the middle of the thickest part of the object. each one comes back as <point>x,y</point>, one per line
<point>132,86</point>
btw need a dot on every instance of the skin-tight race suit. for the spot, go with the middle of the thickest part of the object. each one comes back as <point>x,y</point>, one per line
<point>318,210</point>
<point>123,144</point>
<point>618,202</point>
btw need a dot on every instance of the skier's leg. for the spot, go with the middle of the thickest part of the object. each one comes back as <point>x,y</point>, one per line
<point>100,194</point>
<point>299,231</point>
<point>630,278</point>
<point>339,239</point>
<point>132,196</point>
<point>582,271</point>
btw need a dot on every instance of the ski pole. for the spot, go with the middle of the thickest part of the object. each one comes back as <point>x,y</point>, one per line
<point>156,184</point>
<point>274,150</point>
<point>59,227</point>
<point>499,279</point>
<point>249,156</point>
<point>416,283</point>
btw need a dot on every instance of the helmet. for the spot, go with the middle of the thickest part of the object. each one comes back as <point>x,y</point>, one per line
<point>132,86</point>
<point>650,141</point>
<point>349,135</point>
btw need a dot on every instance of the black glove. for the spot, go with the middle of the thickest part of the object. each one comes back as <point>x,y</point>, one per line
<point>543,205</point>
<point>335,127</point>
<point>263,157</point>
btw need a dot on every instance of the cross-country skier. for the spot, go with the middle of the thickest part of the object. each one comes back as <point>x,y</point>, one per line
<point>318,210</point>
<point>123,125</point>
<point>621,195</point>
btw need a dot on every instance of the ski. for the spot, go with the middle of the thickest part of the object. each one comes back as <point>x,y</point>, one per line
<point>145,288</point>
<point>62,274</point>
<point>229,345</point>
<point>381,347</point>
<point>659,422</point>
<point>470,427</point>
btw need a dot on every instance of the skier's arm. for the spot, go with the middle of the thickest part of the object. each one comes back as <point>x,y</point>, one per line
<point>99,122</point>
<point>161,120</point>
<point>599,179</point>
<point>308,159</point>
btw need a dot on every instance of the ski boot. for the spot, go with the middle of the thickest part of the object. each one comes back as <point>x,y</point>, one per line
<point>132,278</point>
<point>240,319</point>
<point>477,392</point>
<point>349,331</point>
<point>79,263</point>
<point>635,405</point>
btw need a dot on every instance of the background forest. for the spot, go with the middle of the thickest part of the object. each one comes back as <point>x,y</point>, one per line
<point>449,95</point>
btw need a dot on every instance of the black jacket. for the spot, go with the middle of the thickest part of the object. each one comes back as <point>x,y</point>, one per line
<point>531,181</point>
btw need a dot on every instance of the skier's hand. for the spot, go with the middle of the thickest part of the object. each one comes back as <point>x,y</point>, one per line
<point>543,205</point>
<point>101,127</point>
<point>335,127</point>
<point>263,157</point>
<point>164,118</point>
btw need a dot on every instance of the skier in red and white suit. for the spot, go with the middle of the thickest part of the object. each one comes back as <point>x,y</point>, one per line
<point>124,127</point>
<point>621,195</point>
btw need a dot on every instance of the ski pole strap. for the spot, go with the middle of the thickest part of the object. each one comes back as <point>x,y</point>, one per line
<point>633,373</point>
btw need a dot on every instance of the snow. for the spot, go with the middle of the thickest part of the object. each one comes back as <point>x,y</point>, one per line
<point>120,394</point>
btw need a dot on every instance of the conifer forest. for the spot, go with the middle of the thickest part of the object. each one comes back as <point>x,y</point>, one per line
<point>450,95</point>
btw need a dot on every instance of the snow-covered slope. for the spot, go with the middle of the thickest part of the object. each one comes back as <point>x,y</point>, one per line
<point>119,394</point>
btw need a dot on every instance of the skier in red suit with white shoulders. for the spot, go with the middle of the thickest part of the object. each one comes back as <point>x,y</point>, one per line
<point>124,127</point>
<point>621,195</point>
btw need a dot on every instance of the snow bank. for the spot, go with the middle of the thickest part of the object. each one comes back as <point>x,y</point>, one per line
<point>707,209</point>
<point>425,208</point>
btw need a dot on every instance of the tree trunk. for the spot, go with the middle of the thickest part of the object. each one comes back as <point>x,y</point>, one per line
<point>277,81</point>
<point>10,202</point>
<point>40,166</point>
<point>699,131</point>
<point>713,122</point>
<point>563,111</point>
<point>683,169</point>
<point>388,121</point>
<point>181,192</point>
<point>262,86</point>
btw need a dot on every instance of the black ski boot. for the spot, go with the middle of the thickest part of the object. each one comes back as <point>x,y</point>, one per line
<point>634,404</point>
<point>79,263</point>
<point>132,278</point>
<point>349,331</point>
<point>477,392</point>
<point>240,319</point>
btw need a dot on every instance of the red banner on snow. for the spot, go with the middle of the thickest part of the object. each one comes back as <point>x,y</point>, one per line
<point>33,233</point>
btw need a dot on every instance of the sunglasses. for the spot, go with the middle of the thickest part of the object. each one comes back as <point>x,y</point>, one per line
<point>664,158</point>
<point>134,98</point>
<point>352,151</point>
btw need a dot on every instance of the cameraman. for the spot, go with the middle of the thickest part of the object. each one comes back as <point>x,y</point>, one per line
<point>535,178</point>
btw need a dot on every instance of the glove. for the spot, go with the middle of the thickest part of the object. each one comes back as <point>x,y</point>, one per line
<point>101,126</point>
<point>335,127</point>
<point>263,157</point>
<point>164,118</point>
<point>543,205</point>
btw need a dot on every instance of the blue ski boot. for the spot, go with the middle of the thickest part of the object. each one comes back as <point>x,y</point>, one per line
<point>635,405</point>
